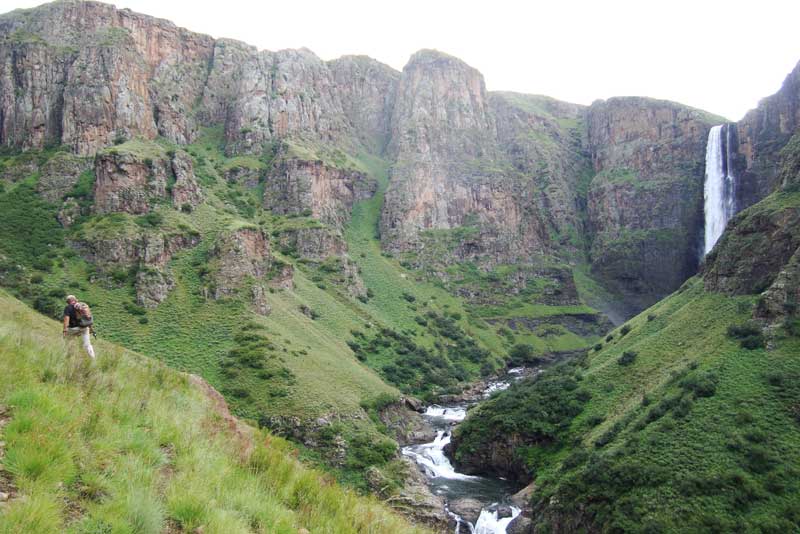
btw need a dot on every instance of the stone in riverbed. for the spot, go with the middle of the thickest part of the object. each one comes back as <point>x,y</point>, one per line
<point>520,525</point>
<point>467,508</point>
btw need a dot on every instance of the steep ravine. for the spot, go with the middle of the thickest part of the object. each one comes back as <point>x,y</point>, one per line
<point>477,503</point>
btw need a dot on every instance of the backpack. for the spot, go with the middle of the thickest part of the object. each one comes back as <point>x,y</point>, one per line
<point>84,315</point>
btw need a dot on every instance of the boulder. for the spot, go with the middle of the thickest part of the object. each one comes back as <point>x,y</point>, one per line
<point>466,508</point>
<point>520,525</point>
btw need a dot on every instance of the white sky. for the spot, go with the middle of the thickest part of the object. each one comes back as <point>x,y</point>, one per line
<point>721,56</point>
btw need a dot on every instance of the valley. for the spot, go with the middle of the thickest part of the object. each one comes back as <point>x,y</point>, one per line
<point>602,297</point>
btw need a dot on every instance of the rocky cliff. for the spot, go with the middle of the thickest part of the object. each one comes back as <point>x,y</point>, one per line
<point>645,202</point>
<point>449,172</point>
<point>760,137</point>
<point>494,179</point>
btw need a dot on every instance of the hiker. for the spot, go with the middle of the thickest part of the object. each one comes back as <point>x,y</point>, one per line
<point>78,321</point>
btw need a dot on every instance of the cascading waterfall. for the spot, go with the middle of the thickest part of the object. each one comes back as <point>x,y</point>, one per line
<point>719,190</point>
<point>446,481</point>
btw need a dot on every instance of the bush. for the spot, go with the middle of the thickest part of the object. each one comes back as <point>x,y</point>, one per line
<point>753,342</point>
<point>748,334</point>
<point>134,309</point>
<point>701,384</point>
<point>651,316</point>
<point>186,207</point>
<point>409,297</point>
<point>598,347</point>
<point>521,354</point>
<point>627,358</point>
<point>150,220</point>
<point>609,337</point>
<point>624,330</point>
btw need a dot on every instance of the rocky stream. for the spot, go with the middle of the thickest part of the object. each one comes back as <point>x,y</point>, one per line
<point>476,504</point>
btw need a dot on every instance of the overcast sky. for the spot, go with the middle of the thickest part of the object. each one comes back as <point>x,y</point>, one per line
<point>721,56</point>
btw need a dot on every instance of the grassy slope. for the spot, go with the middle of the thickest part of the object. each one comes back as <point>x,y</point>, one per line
<point>128,445</point>
<point>193,334</point>
<point>726,461</point>
<point>384,275</point>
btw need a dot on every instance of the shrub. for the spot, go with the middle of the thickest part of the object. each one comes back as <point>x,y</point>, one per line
<point>748,334</point>
<point>409,297</point>
<point>594,420</point>
<point>150,220</point>
<point>752,342</point>
<point>186,207</point>
<point>651,316</point>
<point>624,330</point>
<point>609,337</point>
<point>627,358</point>
<point>701,384</point>
<point>598,347</point>
<point>683,407</point>
<point>521,354</point>
<point>134,309</point>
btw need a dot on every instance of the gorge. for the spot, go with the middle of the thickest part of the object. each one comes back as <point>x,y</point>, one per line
<point>436,294</point>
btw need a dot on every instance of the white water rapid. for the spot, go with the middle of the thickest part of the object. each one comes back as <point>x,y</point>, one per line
<point>718,191</point>
<point>445,480</point>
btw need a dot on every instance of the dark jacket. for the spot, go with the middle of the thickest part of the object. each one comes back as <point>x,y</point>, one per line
<point>72,313</point>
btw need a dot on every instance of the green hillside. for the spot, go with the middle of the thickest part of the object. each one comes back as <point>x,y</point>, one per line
<point>127,445</point>
<point>672,425</point>
<point>284,371</point>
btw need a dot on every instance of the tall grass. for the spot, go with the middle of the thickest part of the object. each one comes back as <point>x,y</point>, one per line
<point>128,445</point>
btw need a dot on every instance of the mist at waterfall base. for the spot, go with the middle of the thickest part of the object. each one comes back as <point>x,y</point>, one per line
<point>719,203</point>
<point>444,480</point>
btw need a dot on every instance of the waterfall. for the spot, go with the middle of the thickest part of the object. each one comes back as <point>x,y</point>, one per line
<point>718,192</point>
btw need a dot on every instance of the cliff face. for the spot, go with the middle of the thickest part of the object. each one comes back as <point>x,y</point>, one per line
<point>645,203</point>
<point>83,73</point>
<point>297,187</point>
<point>761,135</point>
<point>490,178</point>
<point>496,173</point>
<point>443,144</point>
<point>759,252</point>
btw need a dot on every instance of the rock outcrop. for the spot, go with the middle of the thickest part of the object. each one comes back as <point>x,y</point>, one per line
<point>186,193</point>
<point>238,257</point>
<point>148,252</point>
<point>414,500</point>
<point>298,187</point>
<point>314,243</point>
<point>760,137</point>
<point>60,174</point>
<point>645,202</point>
<point>135,176</point>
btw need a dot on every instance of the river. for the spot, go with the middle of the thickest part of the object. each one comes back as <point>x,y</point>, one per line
<point>444,480</point>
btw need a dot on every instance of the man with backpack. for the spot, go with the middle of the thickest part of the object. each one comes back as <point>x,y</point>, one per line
<point>78,321</point>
